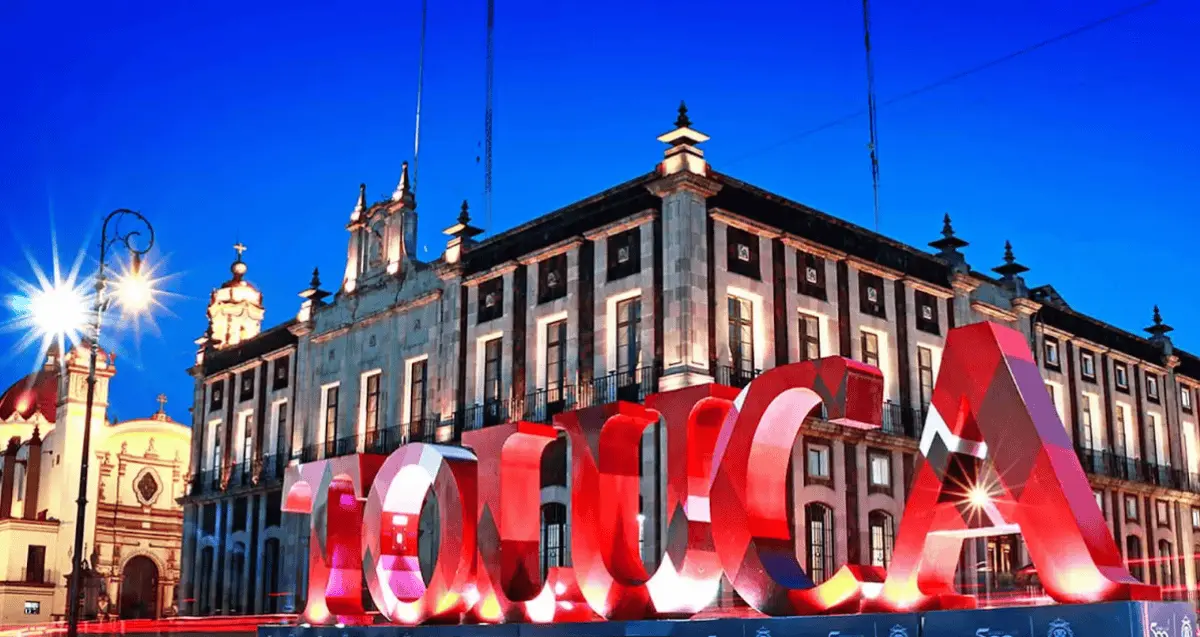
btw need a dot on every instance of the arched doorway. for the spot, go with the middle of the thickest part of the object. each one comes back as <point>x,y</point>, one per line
<point>139,589</point>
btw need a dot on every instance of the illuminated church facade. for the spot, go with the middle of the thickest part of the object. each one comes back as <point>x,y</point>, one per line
<point>680,276</point>
<point>133,523</point>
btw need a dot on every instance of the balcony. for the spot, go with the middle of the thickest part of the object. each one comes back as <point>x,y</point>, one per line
<point>736,377</point>
<point>491,412</point>
<point>385,441</point>
<point>899,420</point>
<point>1112,465</point>
<point>543,404</point>
<point>630,385</point>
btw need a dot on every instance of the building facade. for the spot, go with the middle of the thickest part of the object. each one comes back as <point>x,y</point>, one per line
<point>678,277</point>
<point>133,524</point>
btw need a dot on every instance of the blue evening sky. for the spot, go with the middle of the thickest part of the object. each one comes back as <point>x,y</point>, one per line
<point>257,120</point>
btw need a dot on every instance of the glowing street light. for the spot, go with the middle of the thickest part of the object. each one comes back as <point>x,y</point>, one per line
<point>134,292</point>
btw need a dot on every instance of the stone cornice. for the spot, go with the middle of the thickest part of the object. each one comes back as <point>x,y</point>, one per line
<point>621,225</point>
<point>994,311</point>
<point>875,268</point>
<point>964,283</point>
<point>744,223</point>
<point>929,288</point>
<point>703,186</point>
<point>813,248</point>
<point>551,251</point>
<point>1026,307</point>
<point>366,321</point>
<point>480,277</point>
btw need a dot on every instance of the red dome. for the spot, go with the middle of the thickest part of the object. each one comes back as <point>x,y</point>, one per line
<point>37,392</point>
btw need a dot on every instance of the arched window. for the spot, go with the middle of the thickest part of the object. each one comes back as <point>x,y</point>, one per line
<point>554,535</point>
<point>238,585</point>
<point>818,522</point>
<point>882,530</point>
<point>1133,557</point>
<point>1167,562</point>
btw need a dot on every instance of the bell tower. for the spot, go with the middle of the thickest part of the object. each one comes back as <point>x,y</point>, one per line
<point>235,310</point>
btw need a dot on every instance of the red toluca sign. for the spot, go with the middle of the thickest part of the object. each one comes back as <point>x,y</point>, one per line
<point>727,462</point>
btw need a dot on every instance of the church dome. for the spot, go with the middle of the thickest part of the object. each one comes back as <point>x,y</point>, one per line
<point>36,393</point>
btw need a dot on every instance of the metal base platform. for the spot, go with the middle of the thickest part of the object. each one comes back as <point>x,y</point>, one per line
<point>1116,619</point>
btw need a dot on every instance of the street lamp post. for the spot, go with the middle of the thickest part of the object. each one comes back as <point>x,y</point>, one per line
<point>130,241</point>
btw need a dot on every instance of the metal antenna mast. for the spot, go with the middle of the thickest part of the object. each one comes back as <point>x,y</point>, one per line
<point>487,122</point>
<point>420,86</point>
<point>874,146</point>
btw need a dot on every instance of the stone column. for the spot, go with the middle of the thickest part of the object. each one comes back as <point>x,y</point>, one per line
<point>685,278</point>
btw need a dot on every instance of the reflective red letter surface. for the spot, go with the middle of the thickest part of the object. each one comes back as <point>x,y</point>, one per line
<point>390,534</point>
<point>605,468</point>
<point>990,403</point>
<point>753,538</point>
<point>332,491</point>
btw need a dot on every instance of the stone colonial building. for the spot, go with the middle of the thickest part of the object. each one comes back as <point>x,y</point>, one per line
<point>682,275</point>
<point>133,523</point>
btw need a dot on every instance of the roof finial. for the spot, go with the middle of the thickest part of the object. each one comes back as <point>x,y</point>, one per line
<point>360,208</point>
<point>1011,268</point>
<point>464,216</point>
<point>315,283</point>
<point>682,121</point>
<point>947,229</point>
<point>949,244</point>
<point>403,192</point>
<point>1159,329</point>
<point>239,267</point>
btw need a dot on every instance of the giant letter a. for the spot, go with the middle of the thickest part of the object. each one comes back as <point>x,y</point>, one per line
<point>990,404</point>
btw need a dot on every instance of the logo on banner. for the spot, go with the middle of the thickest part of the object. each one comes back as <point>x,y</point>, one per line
<point>1155,631</point>
<point>1060,628</point>
<point>898,631</point>
<point>1185,628</point>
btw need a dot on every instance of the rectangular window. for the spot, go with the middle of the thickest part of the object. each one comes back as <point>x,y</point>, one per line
<point>1050,349</point>
<point>817,462</point>
<point>1185,398</point>
<point>417,382</point>
<point>35,564</point>
<point>216,395</point>
<point>1158,442</point>
<point>247,441</point>
<point>491,370</point>
<point>742,253</point>
<point>629,325</point>
<point>870,348</point>
<point>556,359</point>
<point>1121,376</point>
<point>741,336</point>
<point>491,300</point>
<point>331,415</point>
<point>1195,519</point>
<point>281,432</point>
<point>216,459</point>
<point>1085,419</point>
<point>552,278</point>
<point>1152,387</point>
<point>925,374</point>
<point>870,295</point>
<point>33,608</point>
<point>1099,495</point>
<point>281,373</point>
<point>624,253</point>
<point>371,404</point>
<point>1087,365</point>
<point>1162,513</point>
<point>1050,389</point>
<point>1119,428</point>
<point>879,465</point>
<point>247,391</point>
<point>810,338</point>
<point>1131,508</point>
<point>927,314</point>
<point>810,275</point>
